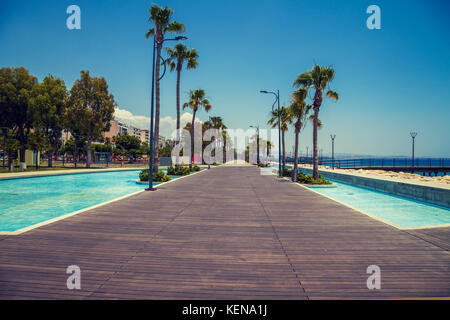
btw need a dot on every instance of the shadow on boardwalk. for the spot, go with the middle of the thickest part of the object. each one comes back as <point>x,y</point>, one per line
<point>226,233</point>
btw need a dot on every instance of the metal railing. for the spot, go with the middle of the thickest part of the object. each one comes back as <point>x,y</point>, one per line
<point>380,162</point>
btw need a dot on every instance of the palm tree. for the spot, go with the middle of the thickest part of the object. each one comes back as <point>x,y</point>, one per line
<point>217,123</point>
<point>176,59</point>
<point>161,17</point>
<point>269,147</point>
<point>196,101</point>
<point>285,120</point>
<point>318,78</point>
<point>298,111</point>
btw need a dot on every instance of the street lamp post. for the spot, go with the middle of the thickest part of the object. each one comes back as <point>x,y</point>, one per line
<point>150,165</point>
<point>332,136</point>
<point>277,95</point>
<point>257,143</point>
<point>5,134</point>
<point>413,136</point>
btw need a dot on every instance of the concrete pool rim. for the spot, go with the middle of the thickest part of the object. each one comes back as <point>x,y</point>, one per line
<point>373,216</point>
<point>68,215</point>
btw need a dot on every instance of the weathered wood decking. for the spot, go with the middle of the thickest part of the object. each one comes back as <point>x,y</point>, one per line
<point>227,233</point>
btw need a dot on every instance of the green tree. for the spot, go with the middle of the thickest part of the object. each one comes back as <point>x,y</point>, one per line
<point>298,111</point>
<point>37,141</point>
<point>92,101</point>
<point>128,145</point>
<point>196,101</point>
<point>319,78</point>
<point>49,100</point>
<point>161,18</point>
<point>176,59</point>
<point>16,85</point>
<point>217,123</point>
<point>285,120</point>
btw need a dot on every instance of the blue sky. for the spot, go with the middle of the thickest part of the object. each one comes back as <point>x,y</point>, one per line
<point>390,81</point>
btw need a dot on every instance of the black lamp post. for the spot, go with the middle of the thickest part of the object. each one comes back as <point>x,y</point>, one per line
<point>150,165</point>
<point>277,95</point>
<point>257,143</point>
<point>5,134</point>
<point>332,136</point>
<point>413,136</point>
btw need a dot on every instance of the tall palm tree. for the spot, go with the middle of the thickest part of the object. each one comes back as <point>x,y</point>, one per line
<point>319,78</point>
<point>217,123</point>
<point>298,111</point>
<point>161,18</point>
<point>269,147</point>
<point>285,120</point>
<point>197,100</point>
<point>176,59</point>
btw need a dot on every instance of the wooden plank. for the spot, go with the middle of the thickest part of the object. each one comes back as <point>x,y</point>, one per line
<point>228,233</point>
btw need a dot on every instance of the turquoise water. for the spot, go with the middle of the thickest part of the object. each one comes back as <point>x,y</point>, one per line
<point>402,212</point>
<point>25,202</point>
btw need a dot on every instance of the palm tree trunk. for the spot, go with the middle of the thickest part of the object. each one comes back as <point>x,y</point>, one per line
<point>224,158</point>
<point>294,170</point>
<point>192,140</point>
<point>50,158</point>
<point>75,155</point>
<point>10,160</point>
<point>316,159</point>
<point>284,149</point>
<point>177,161</point>
<point>157,111</point>
<point>317,104</point>
<point>88,153</point>
<point>22,150</point>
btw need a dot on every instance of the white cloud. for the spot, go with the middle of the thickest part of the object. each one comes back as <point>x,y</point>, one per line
<point>166,124</point>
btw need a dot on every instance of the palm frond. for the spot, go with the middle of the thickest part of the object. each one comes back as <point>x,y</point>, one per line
<point>150,33</point>
<point>176,27</point>
<point>303,80</point>
<point>332,95</point>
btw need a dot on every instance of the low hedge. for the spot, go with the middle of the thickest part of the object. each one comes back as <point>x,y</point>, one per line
<point>178,171</point>
<point>308,179</point>
<point>159,176</point>
<point>181,170</point>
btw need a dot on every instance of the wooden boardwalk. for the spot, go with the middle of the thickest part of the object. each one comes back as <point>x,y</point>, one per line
<point>226,233</point>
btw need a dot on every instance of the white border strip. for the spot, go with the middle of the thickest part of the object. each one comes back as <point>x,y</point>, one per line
<point>67,215</point>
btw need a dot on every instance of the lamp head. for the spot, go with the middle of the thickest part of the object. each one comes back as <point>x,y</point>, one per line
<point>413,134</point>
<point>180,38</point>
<point>333,136</point>
<point>263,91</point>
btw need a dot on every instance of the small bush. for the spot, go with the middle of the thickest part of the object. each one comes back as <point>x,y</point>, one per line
<point>178,171</point>
<point>159,176</point>
<point>308,179</point>
<point>286,172</point>
<point>196,168</point>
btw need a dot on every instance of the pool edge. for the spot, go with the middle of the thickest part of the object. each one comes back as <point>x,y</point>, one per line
<point>371,215</point>
<point>71,214</point>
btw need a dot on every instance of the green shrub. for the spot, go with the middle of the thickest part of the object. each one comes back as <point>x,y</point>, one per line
<point>196,168</point>
<point>178,171</point>
<point>159,176</point>
<point>308,179</point>
<point>286,172</point>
